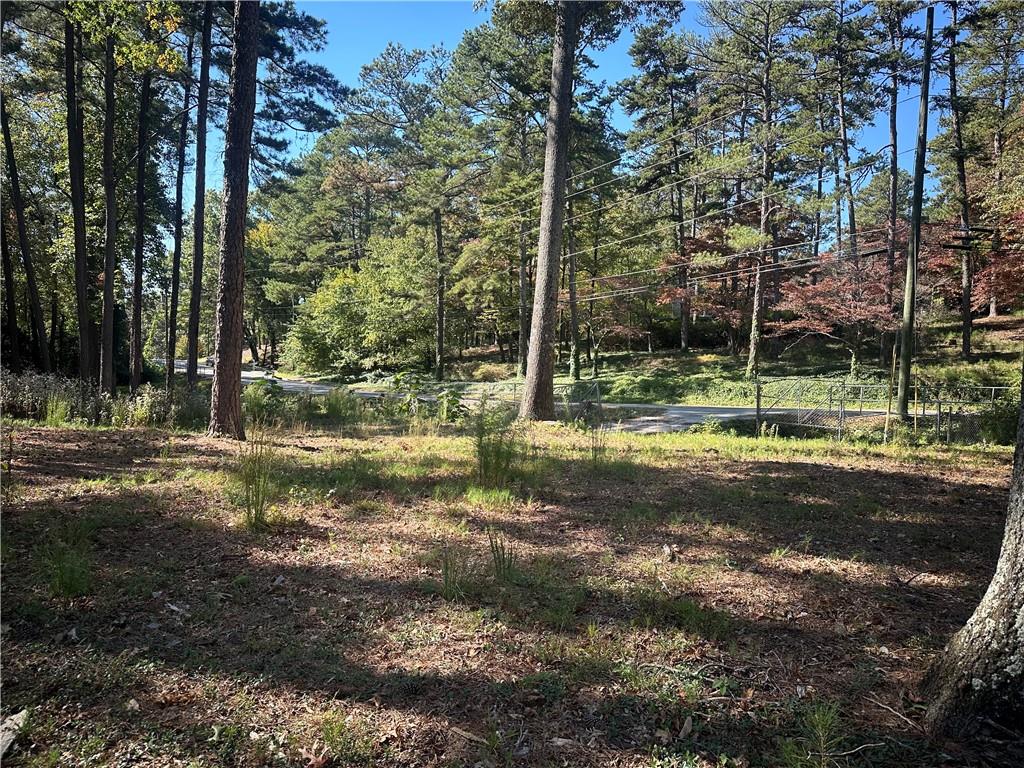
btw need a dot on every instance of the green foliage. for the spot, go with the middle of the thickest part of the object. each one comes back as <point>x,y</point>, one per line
<point>64,561</point>
<point>504,558</point>
<point>998,422</point>
<point>498,446</point>
<point>348,741</point>
<point>819,738</point>
<point>455,574</point>
<point>263,402</point>
<point>255,469</point>
<point>58,410</point>
<point>341,407</point>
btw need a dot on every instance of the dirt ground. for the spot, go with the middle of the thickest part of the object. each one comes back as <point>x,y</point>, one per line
<point>675,601</point>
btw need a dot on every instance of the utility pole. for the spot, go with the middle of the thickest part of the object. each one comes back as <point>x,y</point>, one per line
<point>914,247</point>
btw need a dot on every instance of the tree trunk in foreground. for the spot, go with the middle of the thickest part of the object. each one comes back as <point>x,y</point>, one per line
<point>76,171</point>
<point>538,390</point>
<point>140,234</point>
<point>980,675</point>
<point>199,224</point>
<point>107,383</point>
<point>226,396</point>
<point>35,307</point>
<point>172,310</point>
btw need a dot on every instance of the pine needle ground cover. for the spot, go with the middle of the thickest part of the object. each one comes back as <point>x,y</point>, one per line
<point>688,600</point>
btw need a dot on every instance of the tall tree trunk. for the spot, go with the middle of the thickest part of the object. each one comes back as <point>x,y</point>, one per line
<point>179,182</point>
<point>894,188</point>
<point>524,270</point>
<point>10,304</point>
<point>966,276</point>
<point>35,307</point>
<point>574,315</point>
<point>107,383</point>
<point>142,153</point>
<point>226,395</point>
<point>980,675</point>
<point>844,139</point>
<point>199,211</point>
<point>767,178</point>
<point>439,310</point>
<point>76,170</point>
<point>538,391</point>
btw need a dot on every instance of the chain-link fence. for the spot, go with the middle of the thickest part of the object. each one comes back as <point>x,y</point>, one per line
<point>941,412</point>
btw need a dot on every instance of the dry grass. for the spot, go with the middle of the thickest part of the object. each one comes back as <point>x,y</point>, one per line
<point>687,600</point>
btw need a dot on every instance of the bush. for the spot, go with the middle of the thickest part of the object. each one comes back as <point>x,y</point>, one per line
<point>263,402</point>
<point>498,446</point>
<point>999,421</point>
<point>492,372</point>
<point>342,407</point>
<point>58,410</point>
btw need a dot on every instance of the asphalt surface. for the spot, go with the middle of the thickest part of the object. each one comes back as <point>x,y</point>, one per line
<point>640,418</point>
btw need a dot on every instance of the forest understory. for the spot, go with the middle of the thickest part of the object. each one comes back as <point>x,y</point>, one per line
<point>680,600</point>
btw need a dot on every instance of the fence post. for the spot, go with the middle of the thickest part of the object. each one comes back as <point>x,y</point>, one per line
<point>842,409</point>
<point>757,405</point>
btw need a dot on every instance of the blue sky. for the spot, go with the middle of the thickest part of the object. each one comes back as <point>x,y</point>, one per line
<point>358,31</point>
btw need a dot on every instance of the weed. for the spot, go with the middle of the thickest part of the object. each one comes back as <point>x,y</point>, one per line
<point>455,573</point>
<point>256,460</point>
<point>349,742</point>
<point>64,560</point>
<point>58,410</point>
<point>504,558</point>
<point>489,498</point>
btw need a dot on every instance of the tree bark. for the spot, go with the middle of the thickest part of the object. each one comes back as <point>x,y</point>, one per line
<point>226,395</point>
<point>538,390</point>
<point>199,211</point>
<point>107,383</point>
<point>966,276</point>
<point>524,271</point>
<point>10,305</point>
<point>980,675</point>
<point>172,311</point>
<point>439,313</point>
<point>142,152</point>
<point>35,307</point>
<point>76,170</point>
<point>574,314</point>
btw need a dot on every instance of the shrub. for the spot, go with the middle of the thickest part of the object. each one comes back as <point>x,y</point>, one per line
<point>150,407</point>
<point>58,410</point>
<point>255,469</point>
<point>263,401</point>
<point>999,421</point>
<point>498,446</point>
<point>342,407</point>
<point>449,405</point>
<point>491,372</point>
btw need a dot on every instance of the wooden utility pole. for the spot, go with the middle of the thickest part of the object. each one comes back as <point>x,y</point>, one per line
<point>914,247</point>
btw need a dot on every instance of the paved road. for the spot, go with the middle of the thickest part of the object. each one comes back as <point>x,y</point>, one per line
<point>641,418</point>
